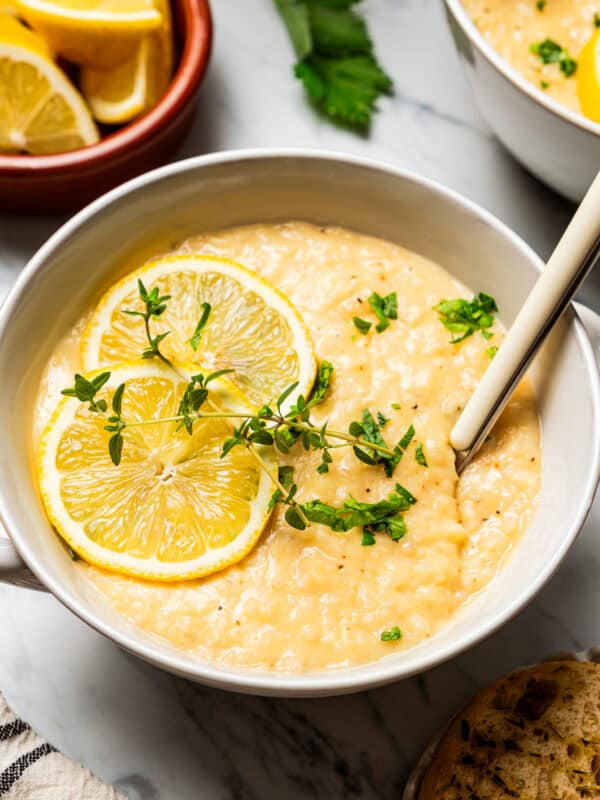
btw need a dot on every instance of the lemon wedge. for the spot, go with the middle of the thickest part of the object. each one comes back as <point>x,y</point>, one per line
<point>173,509</point>
<point>98,33</point>
<point>40,109</point>
<point>588,78</point>
<point>118,95</point>
<point>252,327</point>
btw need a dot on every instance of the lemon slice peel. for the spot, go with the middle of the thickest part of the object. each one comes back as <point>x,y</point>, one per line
<point>59,447</point>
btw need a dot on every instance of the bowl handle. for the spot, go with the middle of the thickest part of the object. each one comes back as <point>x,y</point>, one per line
<point>13,569</point>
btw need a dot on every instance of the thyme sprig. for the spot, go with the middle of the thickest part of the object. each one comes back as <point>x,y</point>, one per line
<point>283,427</point>
<point>156,305</point>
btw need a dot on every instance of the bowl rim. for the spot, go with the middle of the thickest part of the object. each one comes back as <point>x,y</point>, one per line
<point>364,676</point>
<point>512,76</point>
<point>191,67</point>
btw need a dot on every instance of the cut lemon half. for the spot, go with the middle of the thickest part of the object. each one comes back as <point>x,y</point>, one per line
<point>118,95</point>
<point>252,328</point>
<point>173,509</point>
<point>588,78</point>
<point>40,109</point>
<point>97,33</point>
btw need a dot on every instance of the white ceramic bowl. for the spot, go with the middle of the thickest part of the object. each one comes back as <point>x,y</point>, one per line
<point>559,146</point>
<point>72,269</point>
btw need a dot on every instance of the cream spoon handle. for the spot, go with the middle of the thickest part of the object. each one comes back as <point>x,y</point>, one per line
<point>575,255</point>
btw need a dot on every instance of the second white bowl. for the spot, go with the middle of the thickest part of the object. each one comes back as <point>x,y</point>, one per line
<point>559,146</point>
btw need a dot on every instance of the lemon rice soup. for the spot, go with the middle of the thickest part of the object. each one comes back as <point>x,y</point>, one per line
<point>379,543</point>
<point>554,44</point>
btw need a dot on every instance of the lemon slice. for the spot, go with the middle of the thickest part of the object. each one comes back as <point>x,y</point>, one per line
<point>98,33</point>
<point>588,78</point>
<point>118,95</point>
<point>173,509</point>
<point>252,328</point>
<point>40,109</point>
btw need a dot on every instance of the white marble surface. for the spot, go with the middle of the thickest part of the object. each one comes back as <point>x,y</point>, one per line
<point>160,738</point>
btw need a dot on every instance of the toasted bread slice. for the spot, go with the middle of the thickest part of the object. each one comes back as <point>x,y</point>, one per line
<point>532,735</point>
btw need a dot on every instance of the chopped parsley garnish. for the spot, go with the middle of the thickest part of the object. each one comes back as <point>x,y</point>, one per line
<point>596,20</point>
<point>540,5</point>
<point>544,84</point>
<point>384,516</point>
<point>407,438</point>
<point>550,52</point>
<point>491,351</point>
<point>393,635</point>
<point>385,308</point>
<point>336,63</point>
<point>464,317</point>
<point>362,325</point>
<point>395,406</point>
<point>322,384</point>
<point>382,420</point>
<point>420,455</point>
<point>370,429</point>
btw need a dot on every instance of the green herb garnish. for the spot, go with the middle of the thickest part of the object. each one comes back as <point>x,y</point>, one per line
<point>393,635</point>
<point>464,317</point>
<point>362,325</point>
<point>156,305</point>
<point>420,456</point>
<point>540,5</point>
<point>369,430</point>
<point>550,52</point>
<point>395,406</point>
<point>596,20</point>
<point>383,516</point>
<point>407,438</point>
<point>195,340</point>
<point>385,308</point>
<point>283,427</point>
<point>544,84</point>
<point>72,554</point>
<point>335,63</point>
<point>491,351</point>
<point>85,391</point>
<point>322,384</point>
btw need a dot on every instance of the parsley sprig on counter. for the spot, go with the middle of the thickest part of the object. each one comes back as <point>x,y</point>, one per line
<point>282,427</point>
<point>335,63</point>
<point>550,52</point>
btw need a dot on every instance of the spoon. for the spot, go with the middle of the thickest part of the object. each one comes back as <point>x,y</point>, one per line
<point>574,256</point>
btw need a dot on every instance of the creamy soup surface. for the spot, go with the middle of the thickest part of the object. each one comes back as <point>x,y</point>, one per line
<point>319,600</point>
<point>512,26</point>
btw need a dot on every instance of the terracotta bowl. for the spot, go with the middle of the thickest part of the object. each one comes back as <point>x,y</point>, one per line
<point>67,181</point>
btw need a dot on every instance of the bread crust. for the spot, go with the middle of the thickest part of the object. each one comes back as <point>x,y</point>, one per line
<point>532,735</point>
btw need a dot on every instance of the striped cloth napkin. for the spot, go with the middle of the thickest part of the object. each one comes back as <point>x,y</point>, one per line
<point>31,769</point>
